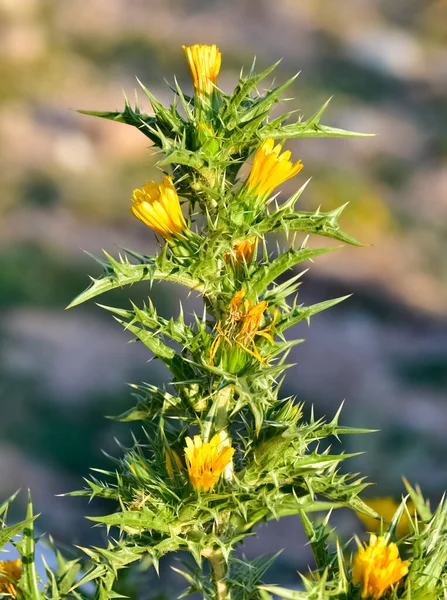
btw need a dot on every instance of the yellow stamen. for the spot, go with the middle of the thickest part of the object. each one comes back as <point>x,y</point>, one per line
<point>10,573</point>
<point>377,567</point>
<point>204,62</point>
<point>207,461</point>
<point>270,169</point>
<point>158,206</point>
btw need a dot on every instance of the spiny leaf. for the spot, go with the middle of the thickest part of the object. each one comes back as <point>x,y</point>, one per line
<point>128,116</point>
<point>137,520</point>
<point>121,273</point>
<point>300,313</point>
<point>266,274</point>
<point>8,533</point>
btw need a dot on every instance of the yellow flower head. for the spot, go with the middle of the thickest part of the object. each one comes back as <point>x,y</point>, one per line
<point>158,206</point>
<point>207,461</point>
<point>270,169</point>
<point>242,326</point>
<point>377,567</point>
<point>204,62</point>
<point>10,573</point>
<point>251,321</point>
<point>236,302</point>
<point>242,252</point>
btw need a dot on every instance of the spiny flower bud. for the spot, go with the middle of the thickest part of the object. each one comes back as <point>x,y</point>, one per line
<point>158,206</point>
<point>270,169</point>
<point>204,62</point>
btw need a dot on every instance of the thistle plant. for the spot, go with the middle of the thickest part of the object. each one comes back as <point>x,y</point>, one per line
<point>221,450</point>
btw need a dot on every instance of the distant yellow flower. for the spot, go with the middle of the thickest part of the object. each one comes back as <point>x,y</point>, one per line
<point>207,461</point>
<point>204,62</point>
<point>158,206</point>
<point>242,252</point>
<point>377,567</point>
<point>10,573</point>
<point>270,168</point>
<point>386,507</point>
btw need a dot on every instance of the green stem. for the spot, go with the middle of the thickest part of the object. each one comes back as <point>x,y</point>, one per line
<point>219,568</point>
<point>224,397</point>
<point>223,406</point>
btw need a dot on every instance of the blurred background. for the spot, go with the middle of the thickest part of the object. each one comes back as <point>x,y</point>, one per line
<point>66,180</point>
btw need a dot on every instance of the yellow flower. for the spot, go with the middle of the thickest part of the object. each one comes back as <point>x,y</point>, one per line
<point>377,567</point>
<point>386,507</point>
<point>250,324</point>
<point>270,169</point>
<point>204,62</point>
<point>242,326</point>
<point>10,573</point>
<point>207,461</point>
<point>242,252</point>
<point>158,206</point>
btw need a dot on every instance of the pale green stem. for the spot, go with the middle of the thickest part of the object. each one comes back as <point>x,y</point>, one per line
<point>224,398</point>
<point>219,568</point>
<point>223,406</point>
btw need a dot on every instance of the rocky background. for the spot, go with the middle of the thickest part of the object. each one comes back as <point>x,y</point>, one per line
<point>66,180</point>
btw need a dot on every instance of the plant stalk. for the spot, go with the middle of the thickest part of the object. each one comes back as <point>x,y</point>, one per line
<point>223,406</point>
<point>223,401</point>
<point>219,568</point>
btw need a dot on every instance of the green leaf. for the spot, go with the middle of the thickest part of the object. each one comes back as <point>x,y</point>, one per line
<point>128,116</point>
<point>152,341</point>
<point>317,223</point>
<point>266,274</point>
<point>317,536</point>
<point>261,106</point>
<point>183,157</point>
<point>301,313</point>
<point>285,593</point>
<point>241,92</point>
<point>119,273</point>
<point>308,129</point>
<point>171,121</point>
<point>151,401</point>
<point>4,507</point>
<point>138,521</point>
<point>9,533</point>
